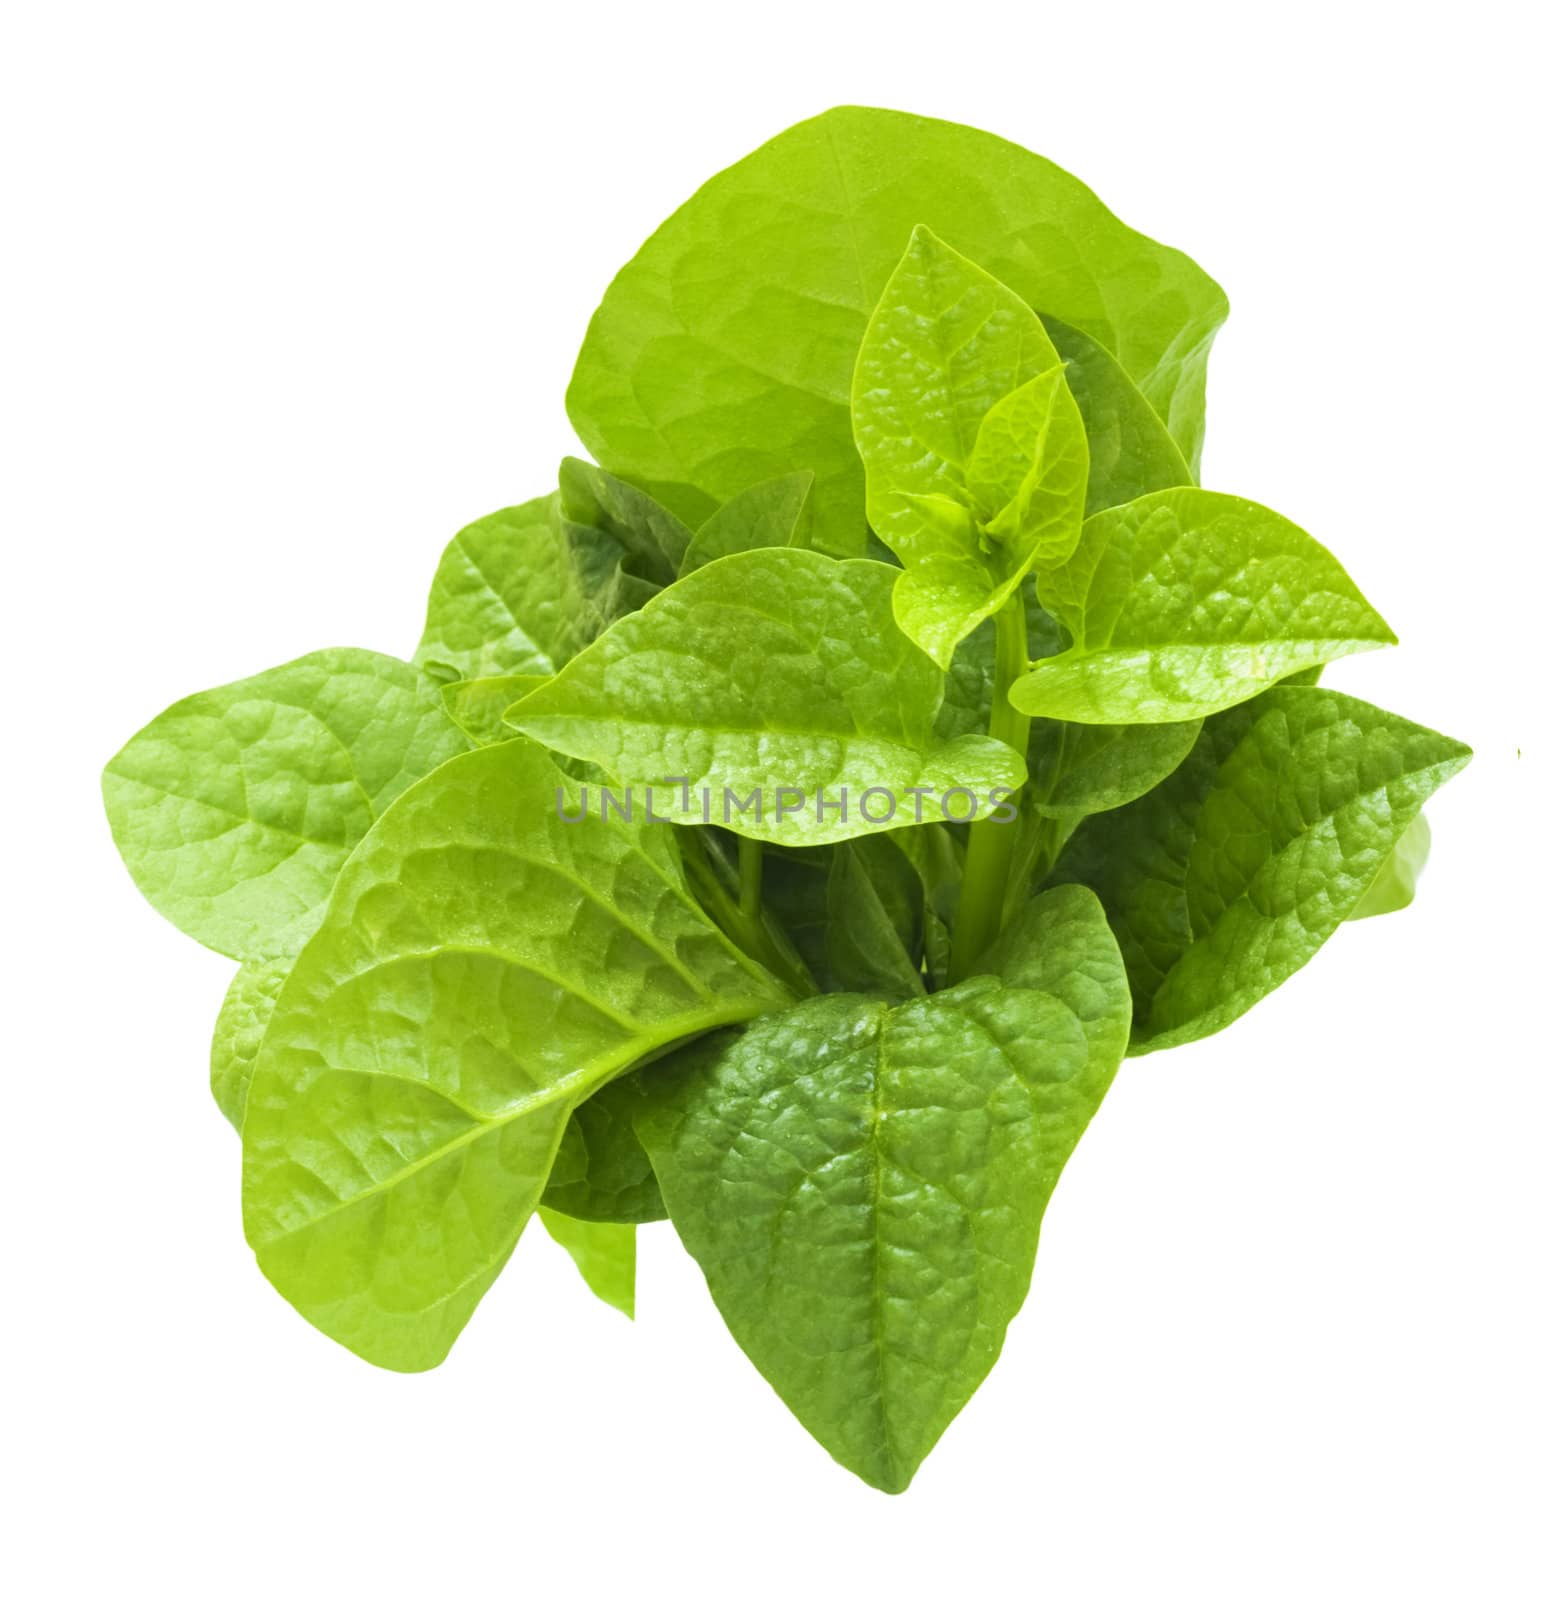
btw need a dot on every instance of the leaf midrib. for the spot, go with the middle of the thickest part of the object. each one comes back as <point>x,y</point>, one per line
<point>599,1069</point>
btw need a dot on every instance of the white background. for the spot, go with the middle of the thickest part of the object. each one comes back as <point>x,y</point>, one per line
<point>290,293</point>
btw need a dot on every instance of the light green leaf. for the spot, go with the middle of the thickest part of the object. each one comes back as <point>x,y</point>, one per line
<point>1030,466</point>
<point>779,674</point>
<point>1397,880</point>
<point>863,1185</point>
<point>241,1025</point>
<point>1131,452</point>
<point>482,969</point>
<point>1186,602</point>
<point>604,1253</point>
<point>235,809</point>
<point>723,353</point>
<point>975,461</point>
<point>478,705</point>
<point>1230,875</point>
<point>774,513</point>
<point>945,345</point>
<point>504,598</point>
<point>601,1173</point>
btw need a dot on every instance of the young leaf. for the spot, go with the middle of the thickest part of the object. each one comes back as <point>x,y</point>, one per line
<point>481,969</point>
<point>1228,877</point>
<point>241,1025</point>
<point>778,675</point>
<point>774,513</point>
<point>235,809</point>
<point>1397,880</point>
<point>975,462</point>
<point>601,1173</point>
<point>1186,602</point>
<point>1130,451</point>
<point>478,705</point>
<point>504,598</point>
<point>604,1253</point>
<point>863,1184</point>
<point>723,353</point>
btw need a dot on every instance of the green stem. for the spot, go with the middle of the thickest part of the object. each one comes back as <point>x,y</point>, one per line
<point>752,931</point>
<point>991,843</point>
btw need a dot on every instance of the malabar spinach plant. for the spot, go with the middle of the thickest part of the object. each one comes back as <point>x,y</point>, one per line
<point>786,826</point>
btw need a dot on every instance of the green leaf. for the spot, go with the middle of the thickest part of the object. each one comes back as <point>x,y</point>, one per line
<point>856,911</point>
<point>1079,769</point>
<point>651,539</point>
<point>969,685</point>
<point>778,674</point>
<point>241,1025</point>
<point>723,353</point>
<point>874,919</point>
<point>478,705</point>
<point>1229,876</point>
<point>482,968</point>
<point>974,457</point>
<point>1397,880</point>
<point>774,513</point>
<point>504,598</point>
<point>235,809</point>
<point>863,1185</point>
<point>937,859</point>
<point>601,1173</point>
<point>1131,452</point>
<point>604,1253</point>
<point>622,546</point>
<point>1186,602</point>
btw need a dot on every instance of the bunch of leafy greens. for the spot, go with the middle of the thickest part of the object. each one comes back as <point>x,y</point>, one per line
<point>899,431</point>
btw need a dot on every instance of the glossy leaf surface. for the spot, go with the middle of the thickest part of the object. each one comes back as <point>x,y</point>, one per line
<point>863,1184</point>
<point>1224,880</point>
<point>779,673</point>
<point>482,968</point>
<point>1186,602</point>
<point>975,461</point>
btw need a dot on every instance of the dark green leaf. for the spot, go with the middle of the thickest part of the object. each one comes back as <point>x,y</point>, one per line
<point>863,1184</point>
<point>1229,876</point>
